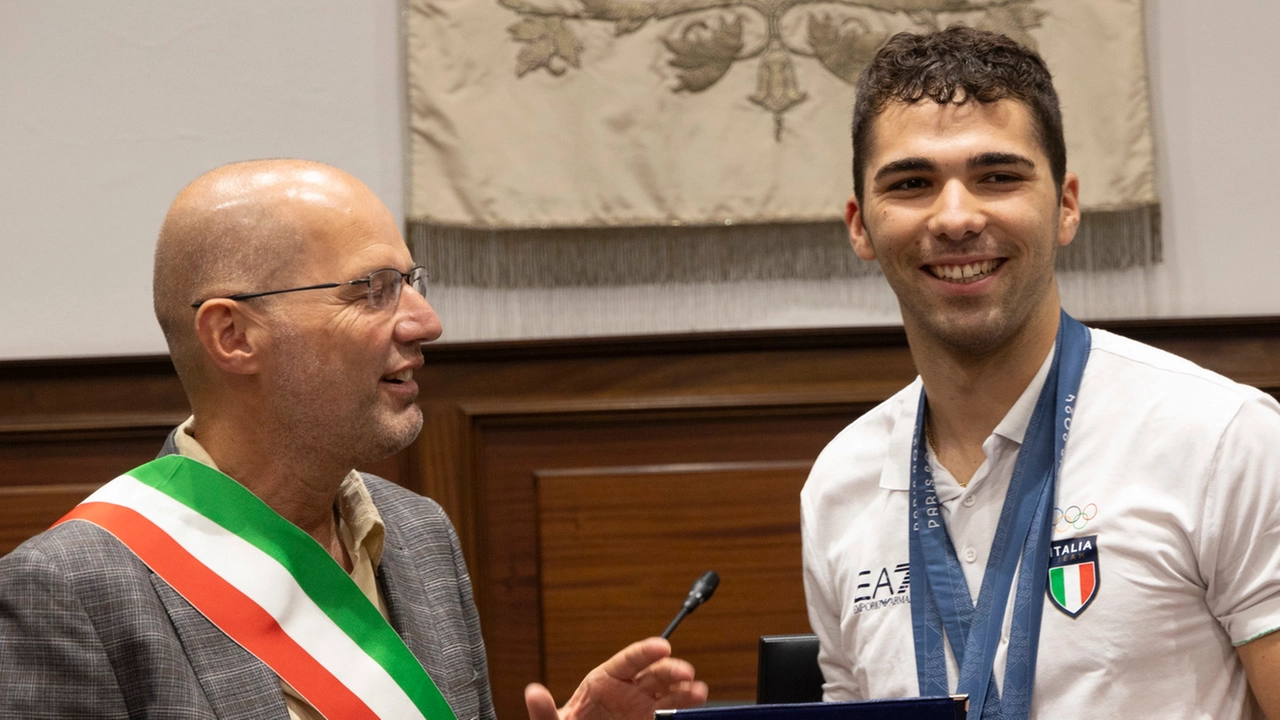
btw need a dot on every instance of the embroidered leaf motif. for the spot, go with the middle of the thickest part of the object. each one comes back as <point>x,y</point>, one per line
<point>840,35</point>
<point>627,16</point>
<point>628,25</point>
<point>844,49</point>
<point>546,39</point>
<point>702,54</point>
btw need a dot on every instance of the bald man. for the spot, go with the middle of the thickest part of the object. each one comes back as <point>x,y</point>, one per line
<point>250,572</point>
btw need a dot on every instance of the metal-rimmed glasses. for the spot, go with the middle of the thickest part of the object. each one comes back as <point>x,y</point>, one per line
<point>382,285</point>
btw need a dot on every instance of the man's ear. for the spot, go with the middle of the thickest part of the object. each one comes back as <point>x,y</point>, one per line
<point>858,236</point>
<point>1069,210</point>
<point>227,335</point>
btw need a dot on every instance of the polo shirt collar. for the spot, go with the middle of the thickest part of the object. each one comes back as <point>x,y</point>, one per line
<point>896,473</point>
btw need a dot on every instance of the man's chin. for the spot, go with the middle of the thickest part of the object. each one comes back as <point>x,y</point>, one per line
<point>400,432</point>
<point>968,331</point>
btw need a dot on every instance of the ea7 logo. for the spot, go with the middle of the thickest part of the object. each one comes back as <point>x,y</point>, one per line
<point>885,582</point>
<point>1073,574</point>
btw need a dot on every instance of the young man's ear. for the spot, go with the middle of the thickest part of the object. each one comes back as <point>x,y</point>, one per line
<point>227,335</point>
<point>858,236</point>
<point>1069,210</point>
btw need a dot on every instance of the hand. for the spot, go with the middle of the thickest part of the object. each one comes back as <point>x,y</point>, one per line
<point>632,684</point>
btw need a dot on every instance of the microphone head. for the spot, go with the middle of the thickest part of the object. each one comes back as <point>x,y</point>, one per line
<point>702,590</point>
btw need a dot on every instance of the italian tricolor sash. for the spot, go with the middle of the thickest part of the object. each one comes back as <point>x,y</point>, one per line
<point>266,584</point>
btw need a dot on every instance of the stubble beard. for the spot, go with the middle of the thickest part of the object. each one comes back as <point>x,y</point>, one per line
<point>317,419</point>
<point>399,433</point>
<point>987,328</point>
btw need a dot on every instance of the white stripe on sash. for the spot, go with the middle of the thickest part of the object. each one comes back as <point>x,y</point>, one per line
<point>270,585</point>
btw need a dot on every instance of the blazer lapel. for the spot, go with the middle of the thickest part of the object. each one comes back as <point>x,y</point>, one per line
<point>411,619</point>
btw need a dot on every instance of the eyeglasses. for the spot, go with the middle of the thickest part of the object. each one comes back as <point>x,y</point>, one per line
<point>383,287</point>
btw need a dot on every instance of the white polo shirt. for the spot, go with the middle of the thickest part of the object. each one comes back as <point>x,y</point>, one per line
<point>1169,493</point>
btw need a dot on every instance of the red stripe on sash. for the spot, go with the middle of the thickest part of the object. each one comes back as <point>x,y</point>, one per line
<point>233,612</point>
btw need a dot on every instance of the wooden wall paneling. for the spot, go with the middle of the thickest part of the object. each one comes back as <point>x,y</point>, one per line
<point>443,464</point>
<point>513,450</point>
<point>497,414</point>
<point>464,383</point>
<point>68,426</point>
<point>1246,350</point>
<point>44,473</point>
<point>78,455</point>
<point>88,391</point>
<point>619,547</point>
<point>26,510</point>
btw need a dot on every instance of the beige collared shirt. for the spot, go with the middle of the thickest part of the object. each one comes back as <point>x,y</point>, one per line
<point>360,528</point>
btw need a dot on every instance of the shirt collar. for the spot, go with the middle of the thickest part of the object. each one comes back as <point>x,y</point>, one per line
<point>357,510</point>
<point>896,474</point>
<point>1014,425</point>
<point>355,507</point>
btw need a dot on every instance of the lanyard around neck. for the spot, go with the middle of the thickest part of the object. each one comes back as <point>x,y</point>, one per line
<point>941,607</point>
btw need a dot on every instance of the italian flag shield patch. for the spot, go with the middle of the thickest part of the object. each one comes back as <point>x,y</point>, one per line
<point>1073,574</point>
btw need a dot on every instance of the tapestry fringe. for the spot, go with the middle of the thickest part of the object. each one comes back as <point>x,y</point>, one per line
<point>602,257</point>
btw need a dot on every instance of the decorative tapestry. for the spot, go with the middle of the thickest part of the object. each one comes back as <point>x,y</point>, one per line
<point>650,122</point>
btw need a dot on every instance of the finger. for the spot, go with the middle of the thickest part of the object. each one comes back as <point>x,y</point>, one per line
<point>539,703</point>
<point>663,674</point>
<point>683,695</point>
<point>636,657</point>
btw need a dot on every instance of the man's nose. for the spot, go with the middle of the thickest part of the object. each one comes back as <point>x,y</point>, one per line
<point>957,213</point>
<point>416,320</point>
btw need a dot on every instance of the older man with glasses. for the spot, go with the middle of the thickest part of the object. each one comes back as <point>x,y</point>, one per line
<point>250,571</point>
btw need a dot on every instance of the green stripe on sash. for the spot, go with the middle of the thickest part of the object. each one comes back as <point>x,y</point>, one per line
<point>229,504</point>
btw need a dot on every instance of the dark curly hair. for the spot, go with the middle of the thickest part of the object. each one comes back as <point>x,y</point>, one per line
<point>958,62</point>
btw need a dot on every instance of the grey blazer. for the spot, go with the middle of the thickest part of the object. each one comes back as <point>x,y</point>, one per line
<point>88,631</point>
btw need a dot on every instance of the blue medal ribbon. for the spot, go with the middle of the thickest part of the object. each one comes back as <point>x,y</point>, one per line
<point>942,610</point>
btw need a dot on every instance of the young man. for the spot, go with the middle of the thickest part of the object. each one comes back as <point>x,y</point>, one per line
<point>291,586</point>
<point>1056,521</point>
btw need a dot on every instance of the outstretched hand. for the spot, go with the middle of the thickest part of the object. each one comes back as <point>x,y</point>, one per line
<point>643,677</point>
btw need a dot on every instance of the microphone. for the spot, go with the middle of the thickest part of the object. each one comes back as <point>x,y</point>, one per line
<point>702,590</point>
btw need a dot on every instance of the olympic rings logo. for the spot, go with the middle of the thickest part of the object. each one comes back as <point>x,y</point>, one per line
<point>1073,517</point>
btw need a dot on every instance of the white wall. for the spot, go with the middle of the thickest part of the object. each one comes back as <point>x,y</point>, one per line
<point>1216,86</point>
<point>107,109</point>
<point>1214,74</point>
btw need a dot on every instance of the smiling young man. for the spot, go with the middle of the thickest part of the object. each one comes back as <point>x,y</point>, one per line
<point>250,571</point>
<point>1055,521</point>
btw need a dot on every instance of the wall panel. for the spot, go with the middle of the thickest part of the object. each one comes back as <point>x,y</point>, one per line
<point>524,461</point>
<point>618,548</point>
<point>563,461</point>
